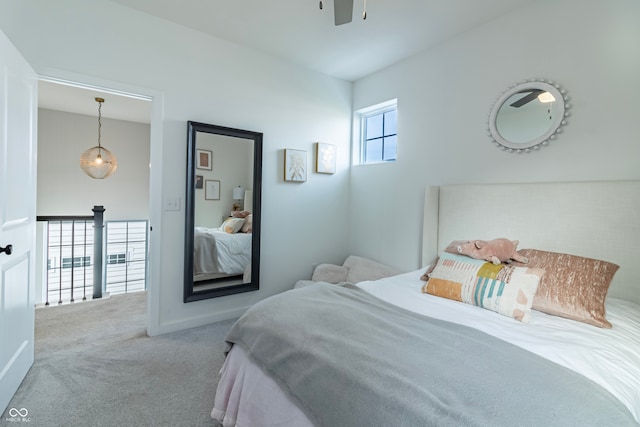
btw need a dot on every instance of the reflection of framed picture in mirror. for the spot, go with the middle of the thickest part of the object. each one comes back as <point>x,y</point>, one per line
<point>325,158</point>
<point>295,165</point>
<point>199,182</point>
<point>203,159</point>
<point>212,189</point>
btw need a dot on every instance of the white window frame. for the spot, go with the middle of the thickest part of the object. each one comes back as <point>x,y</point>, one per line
<point>360,133</point>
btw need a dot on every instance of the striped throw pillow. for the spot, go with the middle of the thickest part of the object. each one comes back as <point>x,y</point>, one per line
<point>503,288</point>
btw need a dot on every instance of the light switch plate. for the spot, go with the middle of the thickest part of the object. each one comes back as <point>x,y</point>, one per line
<point>172,204</point>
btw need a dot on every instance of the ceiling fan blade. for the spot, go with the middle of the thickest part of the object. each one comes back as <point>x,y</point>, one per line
<point>533,94</point>
<point>343,11</point>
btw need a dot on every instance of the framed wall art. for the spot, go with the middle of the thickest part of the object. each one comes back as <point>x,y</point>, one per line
<point>203,159</point>
<point>326,157</point>
<point>295,165</point>
<point>212,189</point>
<point>199,182</point>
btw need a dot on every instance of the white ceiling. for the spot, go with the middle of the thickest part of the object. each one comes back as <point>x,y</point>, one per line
<point>299,32</point>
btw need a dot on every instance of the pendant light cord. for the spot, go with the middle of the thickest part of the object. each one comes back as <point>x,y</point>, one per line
<point>100,101</point>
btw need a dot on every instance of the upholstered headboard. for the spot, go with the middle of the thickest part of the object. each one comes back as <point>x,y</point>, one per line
<point>248,200</point>
<point>591,219</point>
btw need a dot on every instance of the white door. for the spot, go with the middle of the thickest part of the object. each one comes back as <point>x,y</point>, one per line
<point>18,124</point>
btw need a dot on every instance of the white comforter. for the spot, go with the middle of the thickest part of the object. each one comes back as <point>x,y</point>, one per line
<point>609,357</point>
<point>216,251</point>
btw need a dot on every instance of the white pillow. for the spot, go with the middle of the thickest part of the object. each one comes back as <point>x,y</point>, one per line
<point>361,269</point>
<point>330,273</point>
<point>232,225</point>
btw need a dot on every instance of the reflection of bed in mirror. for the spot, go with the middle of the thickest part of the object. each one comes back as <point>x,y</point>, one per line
<point>225,252</point>
<point>218,254</point>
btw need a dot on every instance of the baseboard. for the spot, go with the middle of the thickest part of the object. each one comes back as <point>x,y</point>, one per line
<point>194,322</point>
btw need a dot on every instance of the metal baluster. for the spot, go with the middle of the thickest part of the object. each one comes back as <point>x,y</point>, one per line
<point>73,256</point>
<point>60,274</point>
<point>127,261</point>
<point>46,283</point>
<point>84,265</point>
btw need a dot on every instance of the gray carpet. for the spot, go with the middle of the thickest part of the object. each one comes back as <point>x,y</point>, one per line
<point>95,366</point>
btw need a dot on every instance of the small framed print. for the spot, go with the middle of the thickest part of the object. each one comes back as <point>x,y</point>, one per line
<point>212,189</point>
<point>326,157</point>
<point>199,182</point>
<point>203,159</point>
<point>295,165</point>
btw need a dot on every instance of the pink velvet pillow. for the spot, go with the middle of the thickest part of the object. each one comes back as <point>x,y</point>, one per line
<point>240,214</point>
<point>248,224</point>
<point>574,287</point>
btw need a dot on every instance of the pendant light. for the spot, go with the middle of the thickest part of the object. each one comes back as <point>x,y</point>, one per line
<point>98,162</point>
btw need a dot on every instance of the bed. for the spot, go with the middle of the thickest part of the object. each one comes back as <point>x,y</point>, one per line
<point>217,253</point>
<point>385,353</point>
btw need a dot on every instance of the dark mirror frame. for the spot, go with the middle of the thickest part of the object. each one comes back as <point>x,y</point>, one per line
<point>254,285</point>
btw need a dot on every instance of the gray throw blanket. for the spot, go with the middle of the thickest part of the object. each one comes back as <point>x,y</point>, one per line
<point>347,358</point>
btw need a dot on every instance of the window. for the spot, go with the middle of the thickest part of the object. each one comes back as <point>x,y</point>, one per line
<point>78,261</point>
<point>116,258</point>
<point>379,134</point>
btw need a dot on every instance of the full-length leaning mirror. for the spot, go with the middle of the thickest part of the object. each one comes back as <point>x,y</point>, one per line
<point>528,115</point>
<point>222,211</point>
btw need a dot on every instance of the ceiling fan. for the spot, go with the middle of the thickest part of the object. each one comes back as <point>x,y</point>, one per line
<point>531,95</point>
<point>343,11</point>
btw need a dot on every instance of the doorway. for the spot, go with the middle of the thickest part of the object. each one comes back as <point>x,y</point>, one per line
<point>71,120</point>
<point>68,124</point>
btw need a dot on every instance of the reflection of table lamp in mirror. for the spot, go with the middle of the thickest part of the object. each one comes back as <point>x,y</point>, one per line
<point>238,195</point>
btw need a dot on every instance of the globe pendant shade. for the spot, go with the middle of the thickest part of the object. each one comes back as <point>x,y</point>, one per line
<point>98,162</point>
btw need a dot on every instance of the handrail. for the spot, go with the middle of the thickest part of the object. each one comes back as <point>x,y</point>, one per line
<point>64,218</point>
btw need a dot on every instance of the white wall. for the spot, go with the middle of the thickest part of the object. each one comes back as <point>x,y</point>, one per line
<point>232,166</point>
<point>208,80</point>
<point>63,189</point>
<point>444,95</point>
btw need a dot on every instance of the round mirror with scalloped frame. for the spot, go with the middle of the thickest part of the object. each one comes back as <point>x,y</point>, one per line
<point>528,115</point>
